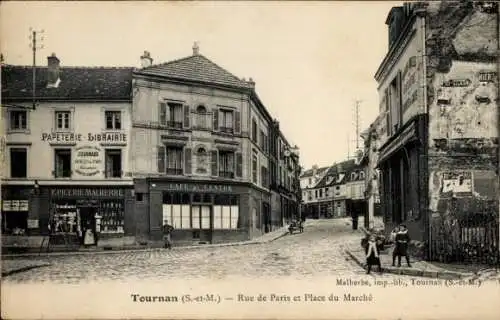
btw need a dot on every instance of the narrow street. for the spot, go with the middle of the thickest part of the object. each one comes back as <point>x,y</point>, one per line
<point>316,252</point>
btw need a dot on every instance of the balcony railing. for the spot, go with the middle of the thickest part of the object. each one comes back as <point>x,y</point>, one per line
<point>226,130</point>
<point>174,171</point>
<point>174,124</point>
<point>226,174</point>
<point>202,121</point>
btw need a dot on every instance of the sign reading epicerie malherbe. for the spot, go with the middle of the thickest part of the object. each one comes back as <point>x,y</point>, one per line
<point>89,137</point>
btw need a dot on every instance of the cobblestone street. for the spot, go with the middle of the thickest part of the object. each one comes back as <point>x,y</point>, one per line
<point>317,251</point>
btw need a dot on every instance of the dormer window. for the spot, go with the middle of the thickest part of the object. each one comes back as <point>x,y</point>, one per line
<point>361,175</point>
<point>353,176</point>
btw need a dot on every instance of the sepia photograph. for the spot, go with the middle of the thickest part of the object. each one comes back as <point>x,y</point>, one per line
<point>250,159</point>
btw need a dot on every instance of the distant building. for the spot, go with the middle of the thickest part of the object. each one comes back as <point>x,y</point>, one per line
<point>438,153</point>
<point>338,193</point>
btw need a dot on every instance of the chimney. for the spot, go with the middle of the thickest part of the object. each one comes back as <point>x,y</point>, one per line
<point>196,49</point>
<point>146,60</point>
<point>53,71</point>
<point>315,170</point>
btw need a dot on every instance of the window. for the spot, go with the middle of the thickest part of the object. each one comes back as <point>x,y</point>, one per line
<point>113,120</point>
<point>263,141</point>
<point>315,193</point>
<point>310,181</point>
<point>226,164</point>
<point>113,163</point>
<point>174,160</point>
<point>264,176</point>
<point>254,168</point>
<point>226,212</point>
<point>63,120</point>
<point>254,131</point>
<point>62,163</point>
<point>14,217</point>
<point>18,120</point>
<point>226,121</point>
<point>18,162</point>
<point>201,160</point>
<point>113,216</point>
<point>176,210</point>
<point>202,119</point>
<point>175,115</point>
<point>326,192</point>
<point>361,175</point>
<point>320,193</point>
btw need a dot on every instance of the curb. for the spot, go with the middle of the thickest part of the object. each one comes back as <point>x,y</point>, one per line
<point>118,250</point>
<point>23,269</point>
<point>412,272</point>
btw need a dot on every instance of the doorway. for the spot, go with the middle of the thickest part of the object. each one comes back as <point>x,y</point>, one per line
<point>88,221</point>
<point>202,226</point>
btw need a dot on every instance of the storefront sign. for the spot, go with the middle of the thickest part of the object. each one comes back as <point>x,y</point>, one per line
<point>457,182</point>
<point>88,192</point>
<point>409,134</point>
<point>198,187</point>
<point>78,137</point>
<point>15,205</point>
<point>487,76</point>
<point>87,160</point>
<point>457,83</point>
<point>33,223</point>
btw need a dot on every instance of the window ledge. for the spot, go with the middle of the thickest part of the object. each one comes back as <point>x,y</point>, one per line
<point>22,131</point>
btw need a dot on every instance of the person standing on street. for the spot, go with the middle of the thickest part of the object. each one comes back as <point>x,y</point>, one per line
<point>402,240</point>
<point>167,235</point>
<point>355,220</point>
<point>372,254</point>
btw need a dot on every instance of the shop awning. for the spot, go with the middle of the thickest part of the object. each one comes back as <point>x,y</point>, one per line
<point>407,135</point>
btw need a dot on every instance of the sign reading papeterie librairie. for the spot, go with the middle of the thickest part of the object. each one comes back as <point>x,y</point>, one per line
<point>79,137</point>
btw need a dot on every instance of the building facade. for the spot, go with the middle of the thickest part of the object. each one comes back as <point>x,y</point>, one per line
<point>338,193</point>
<point>65,159</point>
<point>204,155</point>
<point>438,89</point>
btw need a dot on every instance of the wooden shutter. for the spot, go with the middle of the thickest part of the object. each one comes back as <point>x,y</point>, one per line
<point>186,116</point>
<point>237,122</point>
<point>239,165</point>
<point>162,113</point>
<point>216,119</point>
<point>187,160</point>
<point>214,161</point>
<point>161,157</point>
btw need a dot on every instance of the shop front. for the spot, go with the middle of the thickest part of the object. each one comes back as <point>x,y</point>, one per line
<point>18,223</point>
<point>89,216</point>
<point>201,212</point>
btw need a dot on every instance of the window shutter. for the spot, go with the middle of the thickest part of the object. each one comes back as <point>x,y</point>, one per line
<point>162,113</point>
<point>216,119</point>
<point>161,157</point>
<point>237,122</point>
<point>186,116</point>
<point>239,164</point>
<point>187,160</point>
<point>214,163</point>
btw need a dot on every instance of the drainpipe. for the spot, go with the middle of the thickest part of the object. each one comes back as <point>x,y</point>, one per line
<point>426,142</point>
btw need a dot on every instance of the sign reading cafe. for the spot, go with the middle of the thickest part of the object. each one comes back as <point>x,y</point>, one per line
<point>78,137</point>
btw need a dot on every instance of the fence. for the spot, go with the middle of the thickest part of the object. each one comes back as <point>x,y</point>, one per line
<point>473,239</point>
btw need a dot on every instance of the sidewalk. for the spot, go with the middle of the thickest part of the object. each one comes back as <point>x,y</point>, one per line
<point>268,237</point>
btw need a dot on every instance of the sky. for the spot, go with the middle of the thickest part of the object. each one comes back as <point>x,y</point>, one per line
<point>310,60</point>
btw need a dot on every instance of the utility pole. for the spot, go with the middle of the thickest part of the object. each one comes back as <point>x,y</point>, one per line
<point>356,115</point>
<point>34,46</point>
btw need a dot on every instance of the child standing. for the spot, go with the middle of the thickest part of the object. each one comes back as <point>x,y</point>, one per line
<point>372,254</point>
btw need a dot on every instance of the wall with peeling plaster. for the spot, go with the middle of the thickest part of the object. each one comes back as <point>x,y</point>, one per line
<point>462,97</point>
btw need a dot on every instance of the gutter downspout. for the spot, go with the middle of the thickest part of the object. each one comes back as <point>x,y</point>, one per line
<point>426,142</point>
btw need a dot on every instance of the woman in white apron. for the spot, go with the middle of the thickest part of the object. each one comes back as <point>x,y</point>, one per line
<point>88,237</point>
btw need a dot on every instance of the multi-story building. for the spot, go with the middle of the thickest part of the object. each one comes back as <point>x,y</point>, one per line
<point>204,154</point>
<point>314,196</point>
<point>438,93</point>
<point>371,137</point>
<point>66,154</point>
<point>338,193</point>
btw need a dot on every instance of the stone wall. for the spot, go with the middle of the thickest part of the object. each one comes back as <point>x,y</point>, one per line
<point>462,97</point>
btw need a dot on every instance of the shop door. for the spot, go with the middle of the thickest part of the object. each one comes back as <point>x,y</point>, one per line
<point>202,230</point>
<point>87,221</point>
